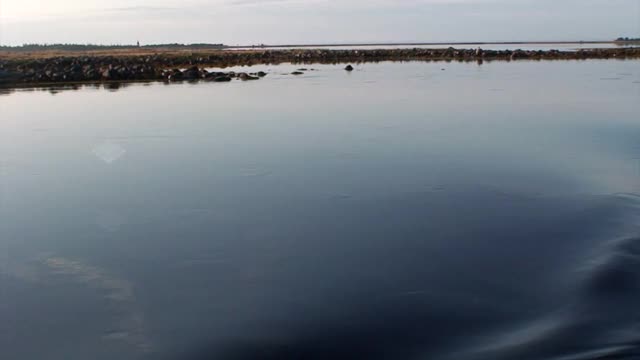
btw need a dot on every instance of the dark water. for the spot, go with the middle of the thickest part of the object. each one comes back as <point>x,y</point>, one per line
<point>401,211</point>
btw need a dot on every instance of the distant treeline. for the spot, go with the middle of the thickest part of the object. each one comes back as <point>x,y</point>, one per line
<point>89,47</point>
<point>621,39</point>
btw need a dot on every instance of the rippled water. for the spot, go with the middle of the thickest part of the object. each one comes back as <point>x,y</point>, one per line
<point>401,211</point>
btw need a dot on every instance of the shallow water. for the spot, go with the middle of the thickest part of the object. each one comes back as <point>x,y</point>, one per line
<point>401,211</point>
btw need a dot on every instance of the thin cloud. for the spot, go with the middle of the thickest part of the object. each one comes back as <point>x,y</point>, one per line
<point>143,9</point>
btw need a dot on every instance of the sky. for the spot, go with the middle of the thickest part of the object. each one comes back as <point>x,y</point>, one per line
<point>246,22</point>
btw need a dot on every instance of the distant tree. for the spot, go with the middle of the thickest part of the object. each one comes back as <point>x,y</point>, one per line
<point>87,47</point>
<point>627,39</point>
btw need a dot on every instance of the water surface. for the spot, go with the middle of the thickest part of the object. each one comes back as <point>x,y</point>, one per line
<point>529,46</point>
<point>401,211</point>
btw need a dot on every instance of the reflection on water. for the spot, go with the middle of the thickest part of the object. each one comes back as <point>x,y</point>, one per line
<point>401,211</point>
<point>54,90</point>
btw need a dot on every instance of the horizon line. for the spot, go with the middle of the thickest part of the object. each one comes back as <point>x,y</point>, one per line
<point>537,42</point>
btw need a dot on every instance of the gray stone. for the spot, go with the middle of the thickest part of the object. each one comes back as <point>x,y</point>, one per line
<point>223,78</point>
<point>245,76</point>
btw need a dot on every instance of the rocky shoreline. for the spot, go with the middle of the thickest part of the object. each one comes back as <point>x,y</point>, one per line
<point>77,68</point>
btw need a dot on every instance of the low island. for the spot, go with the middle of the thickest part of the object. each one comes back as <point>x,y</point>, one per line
<point>45,65</point>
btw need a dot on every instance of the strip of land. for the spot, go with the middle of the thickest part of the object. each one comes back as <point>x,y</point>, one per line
<point>206,46</point>
<point>140,64</point>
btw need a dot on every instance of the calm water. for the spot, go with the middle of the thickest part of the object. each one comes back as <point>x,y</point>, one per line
<point>402,211</point>
<point>562,47</point>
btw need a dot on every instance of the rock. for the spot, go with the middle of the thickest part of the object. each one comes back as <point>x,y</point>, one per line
<point>262,74</point>
<point>107,74</point>
<point>349,68</point>
<point>90,75</point>
<point>191,73</point>
<point>8,76</point>
<point>245,76</point>
<point>212,75</point>
<point>57,76</point>
<point>518,54</point>
<point>297,73</point>
<point>223,78</point>
<point>175,75</point>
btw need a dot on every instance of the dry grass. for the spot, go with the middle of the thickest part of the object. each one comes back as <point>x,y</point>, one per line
<point>45,54</point>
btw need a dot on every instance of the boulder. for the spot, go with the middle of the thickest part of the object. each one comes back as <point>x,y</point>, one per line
<point>518,54</point>
<point>349,68</point>
<point>91,75</point>
<point>56,76</point>
<point>223,78</point>
<point>176,76</point>
<point>8,76</point>
<point>107,74</point>
<point>191,73</point>
<point>245,76</point>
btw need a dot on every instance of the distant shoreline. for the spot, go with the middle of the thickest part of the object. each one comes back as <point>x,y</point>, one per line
<point>207,46</point>
<point>266,46</point>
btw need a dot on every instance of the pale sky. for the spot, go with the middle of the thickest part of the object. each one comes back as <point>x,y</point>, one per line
<point>313,21</point>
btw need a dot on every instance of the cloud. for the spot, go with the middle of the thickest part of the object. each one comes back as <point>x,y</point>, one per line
<point>143,9</point>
